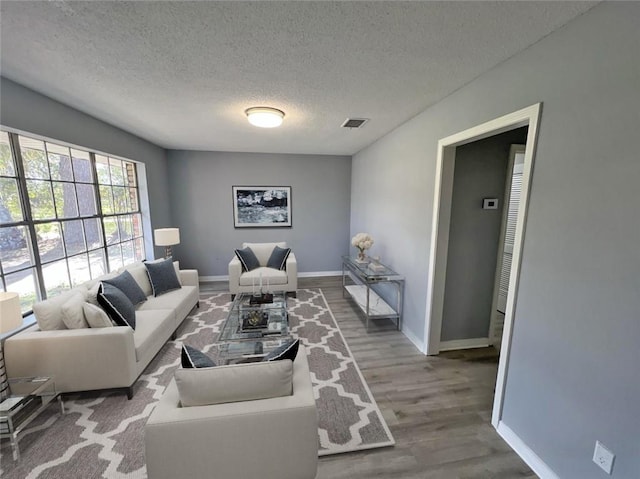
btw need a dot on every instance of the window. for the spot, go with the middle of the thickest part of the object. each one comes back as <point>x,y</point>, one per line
<point>66,215</point>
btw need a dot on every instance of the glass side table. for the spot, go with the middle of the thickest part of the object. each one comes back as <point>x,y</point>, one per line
<point>364,275</point>
<point>28,397</point>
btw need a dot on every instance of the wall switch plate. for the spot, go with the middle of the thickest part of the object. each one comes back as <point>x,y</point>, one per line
<point>603,457</point>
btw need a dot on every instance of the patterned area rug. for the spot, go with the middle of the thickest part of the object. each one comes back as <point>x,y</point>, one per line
<point>102,434</point>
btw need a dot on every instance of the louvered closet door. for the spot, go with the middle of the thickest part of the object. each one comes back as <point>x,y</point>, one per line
<point>513,190</point>
<point>510,231</point>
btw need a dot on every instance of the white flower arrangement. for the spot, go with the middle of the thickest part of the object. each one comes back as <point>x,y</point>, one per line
<point>362,241</point>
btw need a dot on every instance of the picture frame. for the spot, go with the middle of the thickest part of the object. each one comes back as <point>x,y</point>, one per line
<point>261,206</point>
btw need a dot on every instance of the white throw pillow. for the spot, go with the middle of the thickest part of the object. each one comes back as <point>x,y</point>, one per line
<point>92,294</point>
<point>96,316</point>
<point>49,312</point>
<point>234,383</point>
<point>72,313</point>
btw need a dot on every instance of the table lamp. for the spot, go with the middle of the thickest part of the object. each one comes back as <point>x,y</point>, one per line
<point>167,237</point>
<point>10,319</point>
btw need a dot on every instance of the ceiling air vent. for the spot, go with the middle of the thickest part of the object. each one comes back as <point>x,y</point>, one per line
<point>354,122</point>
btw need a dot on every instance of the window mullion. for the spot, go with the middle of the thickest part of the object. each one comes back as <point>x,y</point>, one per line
<point>96,187</point>
<point>26,213</point>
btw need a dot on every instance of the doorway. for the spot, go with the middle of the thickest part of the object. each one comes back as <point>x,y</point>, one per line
<point>480,196</point>
<point>527,117</point>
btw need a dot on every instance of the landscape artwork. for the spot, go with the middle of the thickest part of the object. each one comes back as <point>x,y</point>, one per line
<point>261,206</point>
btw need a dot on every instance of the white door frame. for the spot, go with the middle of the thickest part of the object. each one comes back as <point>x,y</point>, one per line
<point>529,116</point>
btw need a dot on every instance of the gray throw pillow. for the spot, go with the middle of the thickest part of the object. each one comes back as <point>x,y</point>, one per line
<point>278,258</point>
<point>248,259</point>
<point>117,305</point>
<point>288,350</point>
<point>163,276</point>
<point>139,274</point>
<point>125,283</point>
<point>193,358</point>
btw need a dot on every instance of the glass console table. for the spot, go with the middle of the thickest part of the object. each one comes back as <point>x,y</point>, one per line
<point>28,397</point>
<point>253,330</point>
<point>364,276</point>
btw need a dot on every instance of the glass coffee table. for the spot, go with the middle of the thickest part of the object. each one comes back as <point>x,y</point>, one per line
<point>251,330</point>
<point>28,397</point>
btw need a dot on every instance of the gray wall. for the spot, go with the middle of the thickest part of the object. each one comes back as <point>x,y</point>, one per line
<point>31,112</point>
<point>202,207</point>
<point>474,235</point>
<point>573,374</point>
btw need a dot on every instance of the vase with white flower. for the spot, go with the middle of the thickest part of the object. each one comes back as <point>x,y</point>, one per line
<point>362,241</point>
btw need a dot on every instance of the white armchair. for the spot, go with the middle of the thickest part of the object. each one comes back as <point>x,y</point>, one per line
<point>275,438</point>
<point>244,281</point>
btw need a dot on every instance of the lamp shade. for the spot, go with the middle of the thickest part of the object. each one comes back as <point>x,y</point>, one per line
<point>167,236</point>
<point>10,313</point>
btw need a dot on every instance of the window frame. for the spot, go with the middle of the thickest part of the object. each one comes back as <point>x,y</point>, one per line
<point>136,239</point>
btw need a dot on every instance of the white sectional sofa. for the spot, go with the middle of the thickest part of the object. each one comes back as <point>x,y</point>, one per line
<point>102,358</point>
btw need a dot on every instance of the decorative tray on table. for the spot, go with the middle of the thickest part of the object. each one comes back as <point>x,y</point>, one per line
<point>254,319</point>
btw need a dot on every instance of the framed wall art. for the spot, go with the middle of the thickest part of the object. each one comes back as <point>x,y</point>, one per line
<point>261,206</point>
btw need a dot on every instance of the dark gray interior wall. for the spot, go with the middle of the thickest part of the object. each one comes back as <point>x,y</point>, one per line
<point>474,235</point>
<point>573,374</point>
<point>201,204</point>
<point>31,112</point>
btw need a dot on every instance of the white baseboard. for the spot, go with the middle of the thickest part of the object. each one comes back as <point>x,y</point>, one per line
<point>308,274</point>
<point>526,454</point>
<point>319,274</point>
<point>417,342</point>
<point>208,279</point>
<point>464,344</point>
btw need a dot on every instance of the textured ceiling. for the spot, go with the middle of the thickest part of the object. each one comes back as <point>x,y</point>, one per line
<point>180,74</point>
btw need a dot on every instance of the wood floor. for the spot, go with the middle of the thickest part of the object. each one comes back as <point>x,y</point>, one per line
<point>438,408</point>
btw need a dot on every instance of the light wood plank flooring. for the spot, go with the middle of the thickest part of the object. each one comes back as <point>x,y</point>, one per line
<point>438,408</point>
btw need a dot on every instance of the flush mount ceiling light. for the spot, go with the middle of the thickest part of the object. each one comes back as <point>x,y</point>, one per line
<point>264,117</point>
